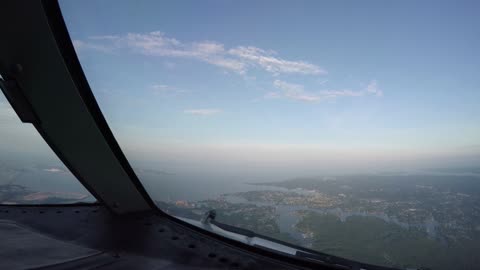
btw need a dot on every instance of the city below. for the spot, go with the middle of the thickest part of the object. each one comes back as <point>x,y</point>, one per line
<point>404,221</point>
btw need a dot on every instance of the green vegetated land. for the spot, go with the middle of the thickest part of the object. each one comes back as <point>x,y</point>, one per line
<point>372,240</point>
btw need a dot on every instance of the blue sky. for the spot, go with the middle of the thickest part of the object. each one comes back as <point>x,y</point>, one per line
<point>256,81</point>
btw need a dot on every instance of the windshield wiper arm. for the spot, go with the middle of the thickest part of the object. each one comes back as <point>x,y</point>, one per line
<point>275,245</point>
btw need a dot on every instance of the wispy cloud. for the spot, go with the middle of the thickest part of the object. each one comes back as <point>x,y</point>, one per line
<point>160,87</point>
<point>238,59</point>
<point>267,60</point>
<point>372,88</point>
<point>297,92</point>
<point>165,89</point>
<point>54,170</point>
<point>292,91</point>
<point>202,112</point>
<point>81,45</point>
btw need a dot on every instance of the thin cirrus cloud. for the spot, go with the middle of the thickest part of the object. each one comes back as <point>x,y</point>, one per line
<point>160,87</point>
<point>202,112</point>
<point>80,45</point>
<point>373,89</point>
<point>54,170</point>
<point>165,89</point>
<point>238,59</point>
<point>267,61</point>
<point>297,92</point>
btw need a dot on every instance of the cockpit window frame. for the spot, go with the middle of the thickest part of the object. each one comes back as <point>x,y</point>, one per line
<point>69,119</point>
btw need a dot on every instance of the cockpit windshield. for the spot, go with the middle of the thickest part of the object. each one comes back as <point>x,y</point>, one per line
<point>352,129</point>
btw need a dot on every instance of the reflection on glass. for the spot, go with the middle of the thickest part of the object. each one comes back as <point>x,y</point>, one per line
<point>30,173</point>
<point>352,130</point>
